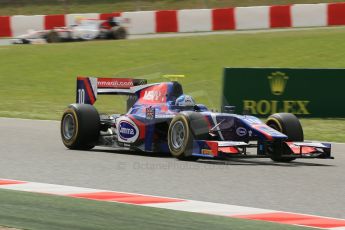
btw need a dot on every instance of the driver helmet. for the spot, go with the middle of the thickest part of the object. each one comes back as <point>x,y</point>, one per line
<point>78,19</point>
<point>185,100</point>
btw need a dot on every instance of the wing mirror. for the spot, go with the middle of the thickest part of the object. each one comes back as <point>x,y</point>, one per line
<point>229,109</point>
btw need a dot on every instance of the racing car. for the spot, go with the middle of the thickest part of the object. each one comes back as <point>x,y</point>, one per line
<point>161,118</point>
<point>83,30</point>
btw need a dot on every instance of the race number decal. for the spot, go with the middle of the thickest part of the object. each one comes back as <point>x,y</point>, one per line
<point>81,96</point>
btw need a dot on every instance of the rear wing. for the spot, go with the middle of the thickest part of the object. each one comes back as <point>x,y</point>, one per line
<point>89,87</point>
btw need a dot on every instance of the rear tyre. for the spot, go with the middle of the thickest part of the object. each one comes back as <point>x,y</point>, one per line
<point>80,127</point>
<point>288,124</point>
<point>119,33</point>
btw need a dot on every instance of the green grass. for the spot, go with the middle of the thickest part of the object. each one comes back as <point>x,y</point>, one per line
<point>38,211</point>
<point>324,129</point>
<point>38,81</point>
<point>86,6</point>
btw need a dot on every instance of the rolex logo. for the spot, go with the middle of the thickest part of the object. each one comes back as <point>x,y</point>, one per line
<point>278,82</point>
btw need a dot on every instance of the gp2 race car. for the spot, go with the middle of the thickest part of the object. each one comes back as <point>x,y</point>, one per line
<point>160,118</point>
<point>83,30</point>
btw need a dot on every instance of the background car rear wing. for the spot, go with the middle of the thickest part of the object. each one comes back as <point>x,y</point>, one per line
<point>89,87</point>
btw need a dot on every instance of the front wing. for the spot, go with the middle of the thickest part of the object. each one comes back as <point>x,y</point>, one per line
<point>234,149</point>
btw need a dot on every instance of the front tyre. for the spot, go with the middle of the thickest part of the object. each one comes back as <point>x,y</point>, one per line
<point>53,37</point>
<point>288,124</point>
<point>180,138</point>
<point>80,126</point>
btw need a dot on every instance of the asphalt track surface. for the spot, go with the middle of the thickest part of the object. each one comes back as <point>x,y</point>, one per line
<point>31,150</point>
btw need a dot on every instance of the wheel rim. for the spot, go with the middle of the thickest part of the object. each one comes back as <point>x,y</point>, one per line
<point>178,134</point>
<point>68,125</point>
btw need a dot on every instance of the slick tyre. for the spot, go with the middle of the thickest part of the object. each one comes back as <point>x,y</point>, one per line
<point>198,124</point>
<point>288,124</point>
<point>80,127</point>
<point>53,37</point>
<point>180,138</point>
<point>119,33</point>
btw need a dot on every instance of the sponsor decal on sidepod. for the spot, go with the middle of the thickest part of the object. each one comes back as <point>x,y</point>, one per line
<point>240,131</point>
<point>127,131</point>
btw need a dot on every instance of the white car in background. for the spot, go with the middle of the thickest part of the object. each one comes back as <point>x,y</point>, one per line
<point>83,30</point>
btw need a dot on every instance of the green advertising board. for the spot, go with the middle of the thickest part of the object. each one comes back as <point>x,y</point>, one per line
<point>304,92</point>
